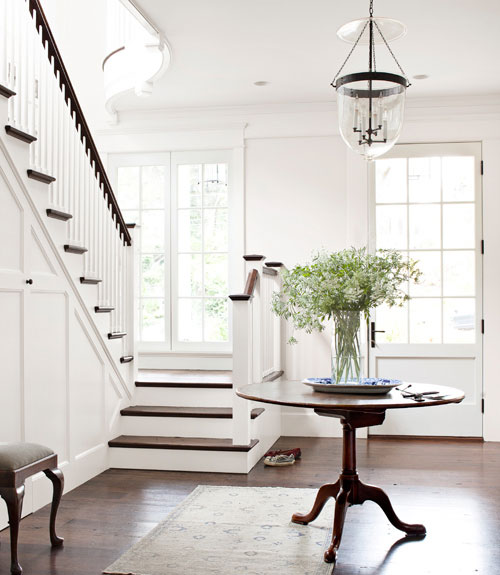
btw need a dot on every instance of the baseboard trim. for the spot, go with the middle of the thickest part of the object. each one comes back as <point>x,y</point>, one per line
<point>427,438</point>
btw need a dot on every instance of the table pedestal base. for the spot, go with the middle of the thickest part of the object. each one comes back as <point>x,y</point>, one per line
<point>349,490</point>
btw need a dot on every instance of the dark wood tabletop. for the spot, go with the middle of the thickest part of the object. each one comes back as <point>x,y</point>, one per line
<point>297,394</point>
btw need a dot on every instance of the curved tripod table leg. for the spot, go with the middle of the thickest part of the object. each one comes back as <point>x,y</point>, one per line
<point>378,496</point>
<point>341,506</point>
<point>324,494</point>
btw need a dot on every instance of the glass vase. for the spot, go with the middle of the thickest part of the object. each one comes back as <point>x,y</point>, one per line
<point>347,361</point>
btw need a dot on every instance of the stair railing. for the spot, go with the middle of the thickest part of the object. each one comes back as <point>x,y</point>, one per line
<point>45,107</point>
<point>257,338</point>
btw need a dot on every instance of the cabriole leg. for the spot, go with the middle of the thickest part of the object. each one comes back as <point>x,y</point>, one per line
<point>57,478</point>
<point>14,498</point>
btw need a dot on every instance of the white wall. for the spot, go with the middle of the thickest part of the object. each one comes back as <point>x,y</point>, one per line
<point>304,190</point>
<point>73,22</point>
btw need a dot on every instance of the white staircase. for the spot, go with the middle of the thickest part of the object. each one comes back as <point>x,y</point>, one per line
<point>188,421</point>
<point>183,421</point>
<point>194,421</point>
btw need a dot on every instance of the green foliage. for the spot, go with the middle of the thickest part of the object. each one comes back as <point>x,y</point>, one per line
<point>349,280</point>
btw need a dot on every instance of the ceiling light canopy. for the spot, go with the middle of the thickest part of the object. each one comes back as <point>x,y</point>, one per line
<point>371,103</point>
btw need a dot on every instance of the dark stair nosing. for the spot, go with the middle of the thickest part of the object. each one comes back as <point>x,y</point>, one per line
<point>20,135</point>
<point>116,334</point>
<point>92,281</point>
<point>192,385</point>
<point>194,412</point>
<point>180,443</point>
<point>58,215</point>
<point>254,258</point>
<point>103,309</point>
<point>240,297</point>
<point>6,92</point>
<point>71,249</point>
<point>126,358</point>
<point>40,176</point>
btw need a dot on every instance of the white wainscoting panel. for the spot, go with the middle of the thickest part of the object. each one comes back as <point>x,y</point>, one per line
<point>56,386</point>
<point>86,390</point>
<point>46,370</point>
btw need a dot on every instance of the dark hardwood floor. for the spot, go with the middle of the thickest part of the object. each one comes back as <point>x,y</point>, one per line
<point>452,487</point>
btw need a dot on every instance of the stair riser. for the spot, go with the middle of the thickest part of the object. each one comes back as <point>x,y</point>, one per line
<point>177,426</point>
<point>175,396</point>
<point>178,460</point>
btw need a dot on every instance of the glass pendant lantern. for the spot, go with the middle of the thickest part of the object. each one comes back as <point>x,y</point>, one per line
<point>371,103</point>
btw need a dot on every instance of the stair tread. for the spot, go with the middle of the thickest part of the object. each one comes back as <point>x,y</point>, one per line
<point>72,249</point>
<point>116,334</point>
<point>184,379</point>
<point>6,92</point>
<point>20,134</point>
<point>199,412</point>
<point>188,443</point>
<point>58,215</point>
<point>40,176</point>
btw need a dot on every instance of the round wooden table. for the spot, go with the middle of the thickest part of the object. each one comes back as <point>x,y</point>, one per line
<point>354,411</point>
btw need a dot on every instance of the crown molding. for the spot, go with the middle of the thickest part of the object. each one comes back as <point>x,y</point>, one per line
<point>239,118</point>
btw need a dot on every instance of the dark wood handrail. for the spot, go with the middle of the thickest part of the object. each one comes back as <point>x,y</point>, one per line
<point>251,282</point>
<point>249,290</point>
<point>41,22</point>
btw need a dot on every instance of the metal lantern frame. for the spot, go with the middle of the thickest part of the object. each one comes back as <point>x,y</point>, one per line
<point>375,131</point>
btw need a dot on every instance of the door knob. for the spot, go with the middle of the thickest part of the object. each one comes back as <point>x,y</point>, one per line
<point>30,281</point>
<point>373,331</point>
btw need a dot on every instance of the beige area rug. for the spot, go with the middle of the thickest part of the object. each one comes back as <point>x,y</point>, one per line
<point>234,531</point>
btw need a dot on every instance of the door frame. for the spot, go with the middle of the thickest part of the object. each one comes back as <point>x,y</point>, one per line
<point>441,149</point>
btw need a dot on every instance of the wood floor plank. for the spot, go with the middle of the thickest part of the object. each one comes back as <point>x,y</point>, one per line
<point>452,487</point>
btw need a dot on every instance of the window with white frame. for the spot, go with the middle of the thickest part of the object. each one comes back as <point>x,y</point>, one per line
<point>180,203</point>
<point>202,252</point>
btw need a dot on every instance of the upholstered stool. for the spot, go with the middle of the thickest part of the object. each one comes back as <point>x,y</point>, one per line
<point>17,462</point>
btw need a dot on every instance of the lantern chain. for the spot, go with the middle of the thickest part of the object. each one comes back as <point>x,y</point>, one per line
<point>349,55</point>
<point>393,56</point>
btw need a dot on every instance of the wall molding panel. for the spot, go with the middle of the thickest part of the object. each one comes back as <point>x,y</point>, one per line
<point>60,385</point>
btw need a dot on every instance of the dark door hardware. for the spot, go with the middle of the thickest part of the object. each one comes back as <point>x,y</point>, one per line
<point>374,331</point>
<point>30,282</point>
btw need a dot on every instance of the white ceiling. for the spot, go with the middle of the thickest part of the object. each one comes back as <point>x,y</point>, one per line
<point>221,47</point>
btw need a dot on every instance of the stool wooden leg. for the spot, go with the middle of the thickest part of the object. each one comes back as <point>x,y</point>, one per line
<point>57,478</point>
<point>14,499</point>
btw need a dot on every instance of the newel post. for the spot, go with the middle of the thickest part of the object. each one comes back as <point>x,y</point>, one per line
<point>242,367</point>
<point>243,352</point>
<point>132,305</point>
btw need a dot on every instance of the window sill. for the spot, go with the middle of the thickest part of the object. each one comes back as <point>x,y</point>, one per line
<point>186,353</point>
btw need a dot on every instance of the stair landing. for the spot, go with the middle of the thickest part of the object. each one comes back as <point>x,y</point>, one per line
<point>185,378</point>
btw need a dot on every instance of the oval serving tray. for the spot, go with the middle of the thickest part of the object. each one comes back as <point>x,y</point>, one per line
<point>368,386</point>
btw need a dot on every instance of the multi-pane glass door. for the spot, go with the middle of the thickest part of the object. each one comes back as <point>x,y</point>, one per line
<point>426,203</point>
